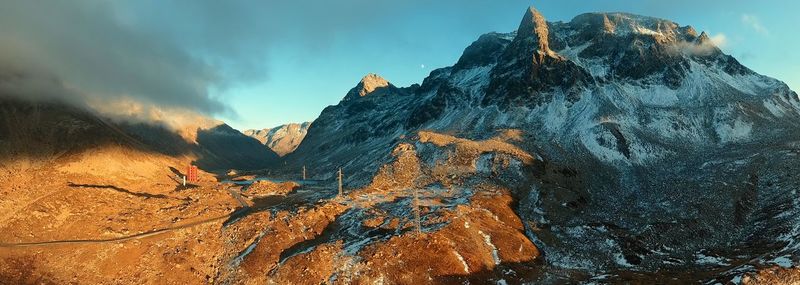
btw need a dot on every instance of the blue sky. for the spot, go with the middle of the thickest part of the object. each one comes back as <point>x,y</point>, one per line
<point>405,44</point>
<point>258,64</point>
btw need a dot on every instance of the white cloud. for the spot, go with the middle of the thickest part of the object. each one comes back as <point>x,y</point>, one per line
<point>753,22</point>
<point>719,40</point>
<point>704,48</point>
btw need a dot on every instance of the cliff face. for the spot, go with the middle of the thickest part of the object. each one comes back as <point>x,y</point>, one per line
<point>282,139</point>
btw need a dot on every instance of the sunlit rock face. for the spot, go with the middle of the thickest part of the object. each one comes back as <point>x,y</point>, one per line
<point>282,139</point>
<point>369,84</point>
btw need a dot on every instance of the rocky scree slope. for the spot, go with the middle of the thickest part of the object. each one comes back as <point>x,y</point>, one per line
<point>655,151</point>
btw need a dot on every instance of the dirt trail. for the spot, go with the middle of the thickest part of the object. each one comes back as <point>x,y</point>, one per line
<point>238,198</point>
<point>142,235</point>
<point>118,239</point>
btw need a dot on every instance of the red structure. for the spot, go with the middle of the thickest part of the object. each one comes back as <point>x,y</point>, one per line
<point>191,173</point>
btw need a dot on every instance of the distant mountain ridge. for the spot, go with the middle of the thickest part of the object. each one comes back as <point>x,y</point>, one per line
<point>282,139</point>
<point>57,131</point>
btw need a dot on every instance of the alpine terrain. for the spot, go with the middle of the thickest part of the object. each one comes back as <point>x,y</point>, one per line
<point>613,148</point>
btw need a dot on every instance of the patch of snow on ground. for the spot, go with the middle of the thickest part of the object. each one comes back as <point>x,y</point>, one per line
<point>653,95</point>
<point>596,66</point>
<point>773,108</point>
<point>752,84</point>
<point>553,116</point>
<point>567,261</point>
<point>791,237</point>
<point>590,141</point>
<point>645,31</point>
<point>642,153</point>
<point>597,280</point>
<point>576,231</point>
<point>463,262</point>
<point>739,130</point>
<point>620,259</point>
<point>488,240</point>
<point>782,261</point>
<point>472,79</point>
<point>701,258</point>
<point>572,52</point>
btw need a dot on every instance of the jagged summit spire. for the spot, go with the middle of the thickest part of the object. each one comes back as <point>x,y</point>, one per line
<point>534,25</point>
<point>704,45</point>
<point>703,38</point>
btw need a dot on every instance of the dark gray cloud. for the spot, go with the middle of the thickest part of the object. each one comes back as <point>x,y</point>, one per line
<point>165,53</point>
<point>82,49</point>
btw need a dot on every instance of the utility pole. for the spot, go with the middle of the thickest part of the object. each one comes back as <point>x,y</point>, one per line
<point>304,172</point>
<point>416,211</point>
<point>340,181</point>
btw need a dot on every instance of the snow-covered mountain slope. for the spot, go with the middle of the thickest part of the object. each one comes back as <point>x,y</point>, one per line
<point>282,139</point>
<point>655,150</point>
<point>619,86</point>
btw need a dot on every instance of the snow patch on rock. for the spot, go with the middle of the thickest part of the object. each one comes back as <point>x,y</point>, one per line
<point>737,131</point>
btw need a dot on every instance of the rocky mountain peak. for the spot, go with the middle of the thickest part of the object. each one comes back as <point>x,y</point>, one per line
<point>528,69</point>
<point>534,26</point>
<point>368,84</point>
<point>690,31</point>
<point>703,38</point>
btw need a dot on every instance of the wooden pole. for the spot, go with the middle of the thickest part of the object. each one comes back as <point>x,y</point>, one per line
<point>416,211</point>
<point>340,181</point>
